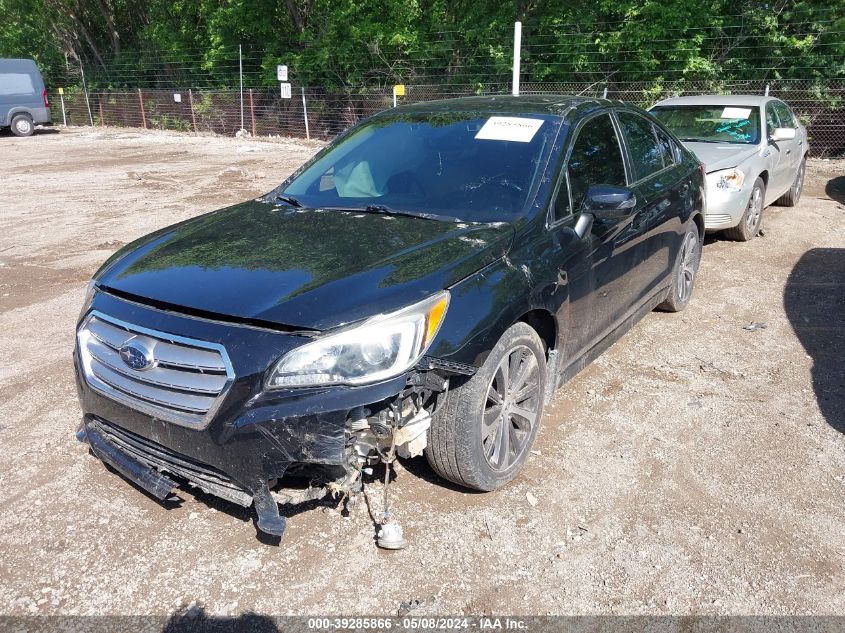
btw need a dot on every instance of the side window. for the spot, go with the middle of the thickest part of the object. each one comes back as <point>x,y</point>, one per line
<point>784,114</point>
<point>596,159</point>
<point>646,154</point>
<point>667,148</point>
<point>771,118</point>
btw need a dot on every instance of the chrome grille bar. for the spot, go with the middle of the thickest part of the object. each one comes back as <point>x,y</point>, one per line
<point>184,383</point>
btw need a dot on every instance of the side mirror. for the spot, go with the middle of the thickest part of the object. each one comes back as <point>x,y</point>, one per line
<point>783,134</point>
<point>604,202</point>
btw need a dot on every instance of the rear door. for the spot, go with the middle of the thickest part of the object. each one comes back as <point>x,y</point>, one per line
<point>662,189</point>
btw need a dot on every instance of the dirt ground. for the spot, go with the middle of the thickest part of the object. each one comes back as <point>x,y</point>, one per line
<point>695,468</point>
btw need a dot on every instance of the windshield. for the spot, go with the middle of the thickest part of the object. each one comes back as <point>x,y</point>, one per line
<point>461,165</point>
<point>712,123</point>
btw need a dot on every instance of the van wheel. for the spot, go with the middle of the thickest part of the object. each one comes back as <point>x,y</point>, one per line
<point>482,434</point>
<point>683,274</point>
<point>749,225</point>
<point>791,197</point>
<point>22,125</point>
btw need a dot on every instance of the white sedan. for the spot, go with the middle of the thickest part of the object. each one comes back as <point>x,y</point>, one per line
<point>754,151</point>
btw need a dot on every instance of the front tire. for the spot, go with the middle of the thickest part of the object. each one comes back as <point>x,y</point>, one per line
<point>22,125</point>
<point>482,434</point>
<point>791,197</point>
<point>684,272</point>
<point>752,219</point>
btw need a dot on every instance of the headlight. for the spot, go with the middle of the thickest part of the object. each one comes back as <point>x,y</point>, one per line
<point>727,179</point>
<point>381,347</point>
<point>90,290</point>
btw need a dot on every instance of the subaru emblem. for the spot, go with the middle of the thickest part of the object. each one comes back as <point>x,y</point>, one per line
<point>137,355</point>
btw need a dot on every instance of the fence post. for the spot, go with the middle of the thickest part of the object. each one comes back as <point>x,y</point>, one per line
<point>193,116</point>
<point>305,114</point>
<point>143,114</point>
<point>241,75</point>
<point>87,102</point>
<point>767,90</point>
<point>62,99</point>
<point>100,106</point>
<point>517,44</point>
<point>252,111</point>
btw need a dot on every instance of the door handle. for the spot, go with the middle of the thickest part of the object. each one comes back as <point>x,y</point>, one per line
<point>789,151</point>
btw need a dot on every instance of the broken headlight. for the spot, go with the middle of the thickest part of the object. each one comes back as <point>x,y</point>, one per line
<point>727,179</point>
<point>381,347</point>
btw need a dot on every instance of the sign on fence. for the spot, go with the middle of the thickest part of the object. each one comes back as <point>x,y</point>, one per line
<point>285,90</point>
<point>281,72</point>
<point>177,97</point>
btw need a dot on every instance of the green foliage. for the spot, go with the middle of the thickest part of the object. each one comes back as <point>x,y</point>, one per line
<point>358,46</point>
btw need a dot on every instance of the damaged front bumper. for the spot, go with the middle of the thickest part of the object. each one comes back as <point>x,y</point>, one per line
<point>254,437</point>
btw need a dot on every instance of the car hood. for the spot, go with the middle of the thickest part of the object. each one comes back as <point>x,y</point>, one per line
<point>301,268</point>
<point>716,156</point>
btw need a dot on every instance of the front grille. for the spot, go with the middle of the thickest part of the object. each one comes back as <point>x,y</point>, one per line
<point>183,382</point>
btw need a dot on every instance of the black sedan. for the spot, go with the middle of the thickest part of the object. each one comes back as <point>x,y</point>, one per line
<point>422,286</point>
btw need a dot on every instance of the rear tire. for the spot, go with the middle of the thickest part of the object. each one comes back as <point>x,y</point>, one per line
<point>481,435</point>
<point>684,272</point>
<point>791,197</point>
<point>22,125</point>
<point>752,219</point>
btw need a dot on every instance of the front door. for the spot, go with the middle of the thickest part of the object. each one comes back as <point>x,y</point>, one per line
<point>596,267</point>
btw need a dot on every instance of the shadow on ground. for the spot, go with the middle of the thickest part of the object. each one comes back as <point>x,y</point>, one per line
<point>835,189</point>
<point>814,299</point>
<point>195,620</point>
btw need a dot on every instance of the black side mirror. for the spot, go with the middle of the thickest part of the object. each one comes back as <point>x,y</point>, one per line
<point>604,202</point>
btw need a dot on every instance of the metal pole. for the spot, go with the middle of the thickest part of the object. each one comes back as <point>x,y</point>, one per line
<point>64,116</point>
<point>241,73</point>
<point>767,90</point>
<point>394,96</point>
<point>604,94</point>
<point>85,89</point>
<point>305,113</point>
<point>143,114</point>
<point>517,44</point>
<point>193,115</point>
<point>252,111</point>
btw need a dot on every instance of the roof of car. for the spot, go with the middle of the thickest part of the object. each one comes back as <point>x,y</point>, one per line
<point>731,100</point>
<point>557,105</point>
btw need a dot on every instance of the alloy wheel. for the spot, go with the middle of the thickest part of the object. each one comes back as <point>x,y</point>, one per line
<point>511,408</point>
<point>755,211</point>
<point>688,265</point>
<point>799,185</point>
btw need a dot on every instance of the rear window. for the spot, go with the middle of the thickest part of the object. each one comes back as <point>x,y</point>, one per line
<point>16,84</point>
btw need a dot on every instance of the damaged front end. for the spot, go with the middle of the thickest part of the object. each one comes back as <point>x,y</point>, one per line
<point>201,413</point>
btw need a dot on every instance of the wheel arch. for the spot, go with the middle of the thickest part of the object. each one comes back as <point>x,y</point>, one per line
<point>544,323</point>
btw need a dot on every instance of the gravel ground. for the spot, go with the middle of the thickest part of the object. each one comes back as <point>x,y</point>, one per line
<point>695,468</point>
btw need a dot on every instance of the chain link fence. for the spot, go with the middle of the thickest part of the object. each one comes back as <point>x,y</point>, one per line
<point>316,113</point>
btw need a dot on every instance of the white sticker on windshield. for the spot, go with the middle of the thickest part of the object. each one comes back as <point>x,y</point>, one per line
<point>736,113</point>
<point>509,128</point>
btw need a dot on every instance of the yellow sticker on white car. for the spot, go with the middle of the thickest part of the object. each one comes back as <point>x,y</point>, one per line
<point>509,128</point>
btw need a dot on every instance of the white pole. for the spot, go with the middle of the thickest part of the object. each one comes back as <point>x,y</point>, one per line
<point>517,44</point>
<point>394,96</point>
<point>64,116</point>
<point>305,113</point>
<point>241,73</point>
<point>604,94</point>
<point>85,88</point>
<point>767,90</point>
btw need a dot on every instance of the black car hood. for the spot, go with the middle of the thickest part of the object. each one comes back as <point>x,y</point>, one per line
<point>301,268</point>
